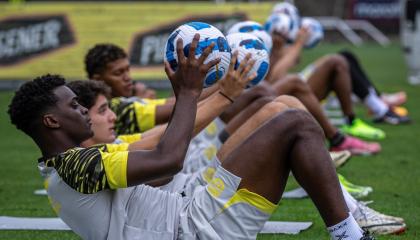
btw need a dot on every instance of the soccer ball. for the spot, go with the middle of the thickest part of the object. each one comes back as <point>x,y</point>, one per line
<point>286,8</point>
<point>246,43</point>
<point>255,29</point>
<point>208,35</point>
<point>279,22</point>
<point>291,11</point>
<point>283,24</point>
<point>316,31</point>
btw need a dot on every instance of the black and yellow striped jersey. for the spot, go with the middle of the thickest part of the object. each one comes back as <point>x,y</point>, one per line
<point>93,169</point>
<point>134,115</point>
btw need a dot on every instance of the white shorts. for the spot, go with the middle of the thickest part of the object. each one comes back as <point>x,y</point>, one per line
<point>185,183</point>
<point>216,210</point>
<point>306,73</point>
<point>200,154</point>
<point>219,210</point>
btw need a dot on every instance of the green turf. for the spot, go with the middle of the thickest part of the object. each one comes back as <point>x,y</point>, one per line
<point>393,174</point>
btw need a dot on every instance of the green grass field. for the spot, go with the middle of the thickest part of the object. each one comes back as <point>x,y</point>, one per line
<point>394,173</point>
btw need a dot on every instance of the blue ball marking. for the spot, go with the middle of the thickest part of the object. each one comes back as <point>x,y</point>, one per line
<point>250,28</point>
<point>261,72</point>
<point>170,49</point>
<point>198,25</point>
<point>213,78</point>
<point>267,26</point>
<point>252,43</point>
<point>221,45</point>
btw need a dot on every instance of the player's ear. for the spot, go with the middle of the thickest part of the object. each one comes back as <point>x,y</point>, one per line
<point>50,121</point>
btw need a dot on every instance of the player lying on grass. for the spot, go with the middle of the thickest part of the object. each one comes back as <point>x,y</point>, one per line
<point>98,192</point>
<point>94,94</point>
<point>109,63</point>
<point>384,107</point>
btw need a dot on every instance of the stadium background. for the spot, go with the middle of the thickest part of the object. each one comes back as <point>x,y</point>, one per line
<point>393,173</point>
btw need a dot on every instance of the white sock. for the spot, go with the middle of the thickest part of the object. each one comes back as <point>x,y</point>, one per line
<point>375,104</point>
<point>350,201</point>
<point>346,230</point>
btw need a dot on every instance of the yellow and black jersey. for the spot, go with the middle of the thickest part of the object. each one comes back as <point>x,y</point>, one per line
<point>128,138</point>
<point>93,169</point>
<point>134,115</point>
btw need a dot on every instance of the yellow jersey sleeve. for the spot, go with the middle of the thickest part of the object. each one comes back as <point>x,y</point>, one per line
<point>134,115</point>
<point>90,170</point>
<point>115,166</point>
<point>160,101</point>
<point>145,115</point>
<point>129,138</point>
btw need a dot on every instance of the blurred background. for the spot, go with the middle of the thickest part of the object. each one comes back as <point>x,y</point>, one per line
<point>39,37</point>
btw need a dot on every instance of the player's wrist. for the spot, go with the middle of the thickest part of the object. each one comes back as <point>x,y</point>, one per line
<point>189,93</point>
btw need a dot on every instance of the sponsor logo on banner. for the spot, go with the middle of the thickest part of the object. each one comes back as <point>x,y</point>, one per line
<point>22,38</point>
<point>384,14</point>
<point>147,47</point>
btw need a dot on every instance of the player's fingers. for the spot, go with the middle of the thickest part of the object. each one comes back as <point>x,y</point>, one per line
<point>206,53</point>
<point>180,51</point>
<point>233,61</point>
<point>168,69</point>
<point>247,68</point>
<point>212,63</point>
<point>243,63</point>
<point>193,46</point>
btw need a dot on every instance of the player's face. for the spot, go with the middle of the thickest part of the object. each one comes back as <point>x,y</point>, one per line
<point>103,121</point>
<point>72,118</point>
<point>117,76</point>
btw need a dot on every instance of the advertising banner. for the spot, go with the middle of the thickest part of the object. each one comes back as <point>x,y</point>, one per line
<point>384,14</point>
<point>28,36</point>
<point>147,47</point>
<point>54,37</point>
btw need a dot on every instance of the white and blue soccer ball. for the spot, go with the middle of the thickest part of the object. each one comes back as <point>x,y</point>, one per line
<point>280,23</point>
<point>246,43</point>
<point>285,7</point>
<point>316,31</point>
<point>208,34</point>
<point>255,29</point>
<point>291,11</point>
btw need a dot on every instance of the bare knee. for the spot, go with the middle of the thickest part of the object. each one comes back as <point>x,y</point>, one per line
<point>273,108</point>
<point>291,102</point>
<point>298,122</point>
<point>337,62</point>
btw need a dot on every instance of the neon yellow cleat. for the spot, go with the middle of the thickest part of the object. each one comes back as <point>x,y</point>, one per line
<point>363,130</point>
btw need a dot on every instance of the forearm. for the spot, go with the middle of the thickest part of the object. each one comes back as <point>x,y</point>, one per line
<point>207,92</point>
<point>168,156</point>
<point>285,63</point>
<point>207,111</point>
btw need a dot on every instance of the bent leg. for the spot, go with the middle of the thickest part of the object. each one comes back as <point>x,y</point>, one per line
<point>245,99</point>
<point>291,140</point>
<point>332,74</point>
<point>293,85</point>
<point>252,123</point>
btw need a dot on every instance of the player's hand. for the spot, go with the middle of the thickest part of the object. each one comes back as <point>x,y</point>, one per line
<point>279,41</point>
<point>235,81</point>
<point>302,35</point>
<point>191,71</point>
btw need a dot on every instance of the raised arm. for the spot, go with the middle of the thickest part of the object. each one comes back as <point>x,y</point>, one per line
<point>289,58</point>
<point>230,87</point>
<point>164,111</point>
<point>168,157</point>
